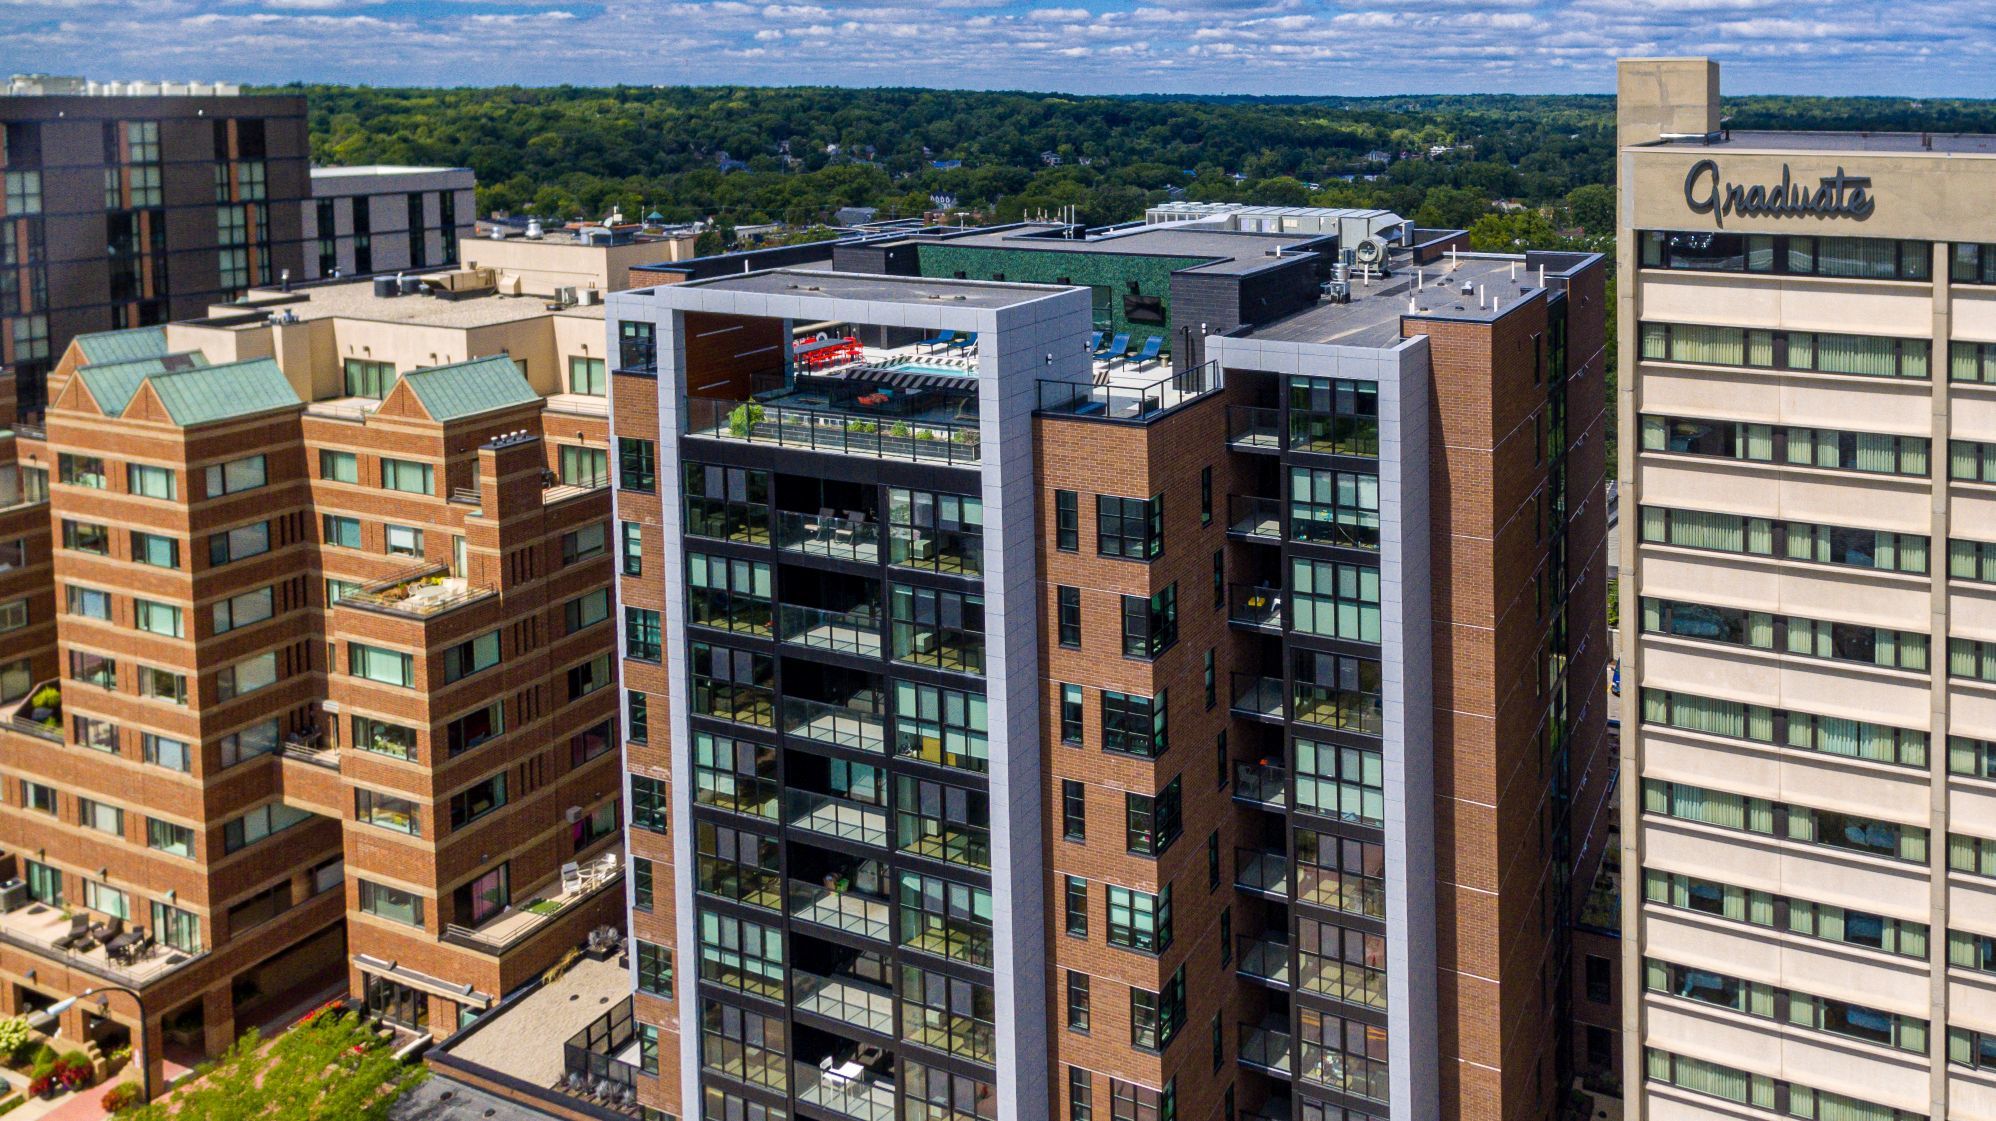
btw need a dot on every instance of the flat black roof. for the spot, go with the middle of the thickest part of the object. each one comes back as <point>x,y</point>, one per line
<point>1909,143</point>
<point>1234,251</point>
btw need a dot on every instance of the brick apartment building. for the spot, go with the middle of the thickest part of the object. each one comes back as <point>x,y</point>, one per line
<point>1054,734</point>
<point>307,670</point>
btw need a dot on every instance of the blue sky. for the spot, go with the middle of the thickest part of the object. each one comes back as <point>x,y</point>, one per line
<point>1349,47</point>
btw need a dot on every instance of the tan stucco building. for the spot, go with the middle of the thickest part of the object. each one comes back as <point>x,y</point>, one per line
<point>1808,465</point>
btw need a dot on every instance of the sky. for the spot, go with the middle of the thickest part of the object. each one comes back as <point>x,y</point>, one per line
<point>1319,47</point>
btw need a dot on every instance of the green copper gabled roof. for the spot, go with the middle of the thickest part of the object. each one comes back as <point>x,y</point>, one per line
<point>113,383</point>
<point>465,389</point>
<point>122,346</point>
<point>211,393</point>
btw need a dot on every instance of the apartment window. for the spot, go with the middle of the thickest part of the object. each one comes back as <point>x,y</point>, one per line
<point>934,627</point>
<point>171,754</point>
<point>741,955</point>
<point>389,667</point>
<point>1334,416</point>
<point>1132,528</point>
<point>1070,714</point>
<point>337,590</point>
<point>364,378</point>
<point>586,610</point>
<point>654,969</point>
<point>343,532</point>
<point>942,822</point>
<point>260,822</point>
<point>38,797</point>
<point>386,810</point>
<point>943,726</point>
<point>633,549</point>
<point>1600,979</point>
<point>155,550</point>
<point>1077,1001</point>
<point>86,603</point>
<point>474,728</point>
<point>101,816</point>
<point>473,656</point>
<point>589,743</point>
<point>583,543</point>
<point>383,738</point>
<point>587,376</point>
<point>641,884</point>
<point>1827,734</point>
<point>1134,725</point>
<point>1336,872</point>
<point>1342,1054</point>
<point>93,669</point>
<point>637,716</point>
<point>44,883</point>
<point>637,464</point>
<point>1139,920</point>
<point>236,544</point>
<point>80,470</point>
<point>578,466</point>
<point>1344,782</point>
<point>176,928</point>
<point>1152,823</point>
<point>24,193</point>
<point>157,618</point>
<point>1074,810</point>
<point>257,739</point>
<point>1731,533</point>
<point>636,347</point>
<point>1820,352</point>
<point>729,503</point>
<point>649,807</point>
<point>937,531</point>
<point>945,918</point>
<point>1205,496</point>
<point>387,902</point>
<point>93,733</point>
<point>729,595</point>
<point>1793,255</point>
<point>107,899</point>
<point>1069,611</point>
<point>1219,578</point>
<point>1210,679</point>
<point>1334,507</point>
<point>402,541</point>
<point>243,610</point>
<point>166,837</point>
<point>1131,1102</point>
<point>1077,906</point>
<point>737,865</point>
<point>1213,861</point>
<point>150,482</point>
<point>1155,1018</point>
<point>1335,600</point>
<point>477,800</point>
<point>1066,521</point>
<point>247,473</point>
<point>1080,1095</point>
<point>641,635</point>
<point>1807,637</point>
<point>85,537</point>
<point>1335,691</point>
<point>246,676</point>
<point>407,476</point>
<point>1150,624</point>
<point>1787,444</point>
<point>589,676</point>
<point>484,895</point>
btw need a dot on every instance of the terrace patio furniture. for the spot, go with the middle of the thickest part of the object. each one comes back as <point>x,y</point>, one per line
<point>571,878</point>
<point>942,340</point>
<point>965,344</point>
<point>1153,347</point>
<point>1118,346</point>
<point>79,931</point>
<point>108,929</point>
<point>1094,342</point>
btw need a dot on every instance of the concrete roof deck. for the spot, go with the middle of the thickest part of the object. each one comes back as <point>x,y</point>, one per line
<point>1372,318</point>
<point>356,300</point>
<point>1904,143</point>
<point>1228,250</point>
<point>877,289</point>
<point>525,1040</point>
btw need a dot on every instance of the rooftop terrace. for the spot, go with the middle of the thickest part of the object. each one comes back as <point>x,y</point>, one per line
<point>882,289</point>
<point>1372,318</point>
<point>1231,251</point>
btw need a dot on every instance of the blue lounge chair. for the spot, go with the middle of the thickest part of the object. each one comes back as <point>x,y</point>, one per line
<point>1117,347</point>
<point>942,340</point>
<point>1153,346</point>
<point>968,342</point>
<point>1095,342</point>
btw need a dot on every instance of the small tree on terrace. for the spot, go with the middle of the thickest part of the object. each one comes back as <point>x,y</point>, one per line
<point>330,1067</point>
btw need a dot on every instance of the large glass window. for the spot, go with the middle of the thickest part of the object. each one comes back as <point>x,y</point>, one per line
<point>1132,528</point>
<point>1134,725</point>
<point>935,627</point>
<point>1334,415</point>
<point>727,503</point>
<point>368,379</point>
<point>391,903</point>
<point>947,919</point>
<point>1819,351</point>
<point>1335,600</point>
<point>942,822</point>
<point>936,531</point>
<point>1731,533</point>
<point>1150,624</point>
<point>407,476</point>
<point>1334,507</point>
<point>637,464</point>
<point>741,955</point>
<point>246,473</point>
<point>1341,1054</point>
<point>389,811</point>
<point>1339,781</point>
<point>471,656</point>
<point>587,376</point>
<point>1792,254</point>
<point>946,726</point>
<point>580,466</point>
<point>734,684</point>
<point>390,667</point>
<point>1139,920</point>
<point>729,594</point>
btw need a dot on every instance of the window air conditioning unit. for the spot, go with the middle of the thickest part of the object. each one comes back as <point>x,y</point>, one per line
<point>574,814</point>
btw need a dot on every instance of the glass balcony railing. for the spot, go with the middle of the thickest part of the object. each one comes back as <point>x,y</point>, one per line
<point>882,437</point>
<point>1264,957</point>
<point>827,536</point>
<point>841,907</point>
<point>834,816</point>
<point>1258,519</point>
<point>950,938</point>
<point>1257,606</point>
<point>1264,871</point>
<point>835,724</point>
<point>1258,697</point>
<point>967,845</point>
<point>1265,1049</point>
<point>1261,784</point>
<point>1350,710</point>
<point>849,1000</point>
<point>969,1037</point>
<point>844,1088</point>
<point>1253,429</point>
<point>841,632</point>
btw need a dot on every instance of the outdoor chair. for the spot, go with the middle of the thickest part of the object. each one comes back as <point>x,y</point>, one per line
<point>1153,348</point>
<point>571,878</point>
<point>79,931</point>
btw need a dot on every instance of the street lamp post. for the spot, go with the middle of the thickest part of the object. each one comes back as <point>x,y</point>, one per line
<point>144,1055</point>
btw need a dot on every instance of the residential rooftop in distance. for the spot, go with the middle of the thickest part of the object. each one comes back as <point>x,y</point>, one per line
<point>1229,250</point>
<point>356,299</point>
<point>861,286</point>
<point>1372,318</point>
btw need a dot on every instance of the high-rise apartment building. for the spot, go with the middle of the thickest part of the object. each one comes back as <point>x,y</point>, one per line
<point>1808,450</point>
<point>131,205</point>
<point>385,218</point>
<point>1017,729</point>
<point>307,659</point>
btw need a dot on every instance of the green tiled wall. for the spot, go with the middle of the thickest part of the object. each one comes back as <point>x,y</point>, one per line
<point>1048,266</point>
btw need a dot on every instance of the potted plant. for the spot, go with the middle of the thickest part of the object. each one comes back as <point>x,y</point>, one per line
<point>43,1086</point>
<point>744,418</point>
<point>121,1096</point>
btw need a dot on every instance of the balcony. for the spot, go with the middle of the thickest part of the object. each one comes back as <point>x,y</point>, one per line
<point>1350,982</point>
<point>1351,710</point>
<point>1266,1049</point>
<point>947,938</point>
<point>86,941</point>
<point>856,724</point>
<point>841,906</point>
<point>1262,871</point>
<point>923,437</point>
<point>1252,429</point>
<point>605,1059</point>
<point>823,535</point>
<point>953,842</point>
<point>952,1033</point>
<point>421,592</point>
<point>39,714</point>
<point>855,632</point>
<point>832,816</point>
<point>849,1000</point>
<point>1264,957</point>
<point>1257,607</point>
<point>545,902</point>
<point>1261,784</point>
<point>1254,519</point>
<point>1130,402</point>
<point>846,1087</point>
<point>944,647</point>
<point>1258,698</point>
